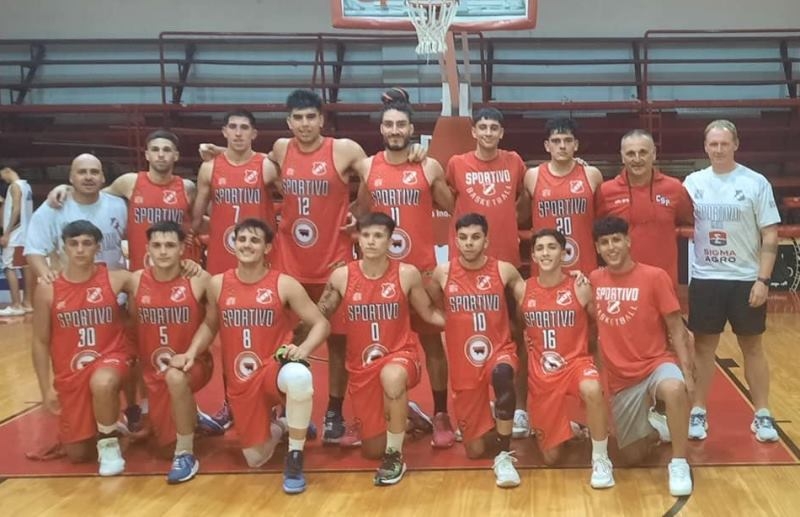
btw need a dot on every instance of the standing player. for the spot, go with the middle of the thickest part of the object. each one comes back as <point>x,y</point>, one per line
<point>168,308</point>
<point>254,307</point>
<point>653,204</point>
<point>555,309</point>
<point>480,351</point>
<point>735,246</point>
<point>407,193</point>
<point>638,317</point>
<point>382,359</point>
<point>17,211</point>
<point>78,326</point>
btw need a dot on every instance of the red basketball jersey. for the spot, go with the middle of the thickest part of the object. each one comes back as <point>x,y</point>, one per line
<point>167,316</point>
<point>152,203</point>
<point>237,193</point>
<point>403,192</point>
<point>85,323</point>
<point>477,325</point>
<point>315,206</point>
<point>556,329</point>
<point>567,204</point>
<point>378,321</point>
<point>253,324</point>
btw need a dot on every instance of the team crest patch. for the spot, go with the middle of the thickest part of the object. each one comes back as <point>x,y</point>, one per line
<point>564,297</point>
<point>319,168</point>
<point>717,238</point>
<point>571,253</point>
<point>483,282</point>
<point>178,293</point>
<point>576,186</point>
<point>138,200</point>
<point>552,362</point>
<point>478,350</point>
<point>250,176</point>
<point>410,177</point>
<point>83,359</point>
<point>388,290</point>
<point>372,353</point>
<point>161,357</point>
<point>400,246</point>
<point>264,296</point>
<point>229,240</point>
<point>94,295</point>
<point>170,197</point>
<point>489,189</point>
<point>613,307</point>
<point>305,233</point>
<point>245,365</point>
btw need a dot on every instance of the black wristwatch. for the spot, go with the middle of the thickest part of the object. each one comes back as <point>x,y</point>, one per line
<point>764,280</point>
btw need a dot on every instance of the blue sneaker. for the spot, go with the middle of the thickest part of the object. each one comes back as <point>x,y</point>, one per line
<point>207,426</point>
<point>293,480</point>
<point>311,432</point>
<point>184,468</point>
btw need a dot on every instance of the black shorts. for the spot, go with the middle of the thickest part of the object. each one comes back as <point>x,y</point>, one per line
<point>714,302</point>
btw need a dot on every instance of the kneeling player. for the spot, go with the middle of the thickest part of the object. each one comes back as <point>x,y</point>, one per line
<point>78,323</point>
<point>382,351</point>
<point>251,306</point>
<point>560,368</point>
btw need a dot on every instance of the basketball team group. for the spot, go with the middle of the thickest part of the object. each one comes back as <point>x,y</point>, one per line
<point>574,351</point>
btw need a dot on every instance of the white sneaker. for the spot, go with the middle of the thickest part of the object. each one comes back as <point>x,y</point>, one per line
<point>507,476</point>
<point>680,478</point>
<point>10,311</point>
<point>522,424</point>
<point>764,428</point>
<point>698,425</point>
<point>659,423</point>
<point>110,458</point>
<point>602,473</point>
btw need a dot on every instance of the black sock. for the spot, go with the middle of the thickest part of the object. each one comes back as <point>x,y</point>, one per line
<point>335,404</point>
<point>439,401</point>
<point>504,442</point>
<point>103,436</point>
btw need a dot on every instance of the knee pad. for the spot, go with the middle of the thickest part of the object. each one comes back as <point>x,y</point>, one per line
<point>506,398</point>
<point>295,381</point>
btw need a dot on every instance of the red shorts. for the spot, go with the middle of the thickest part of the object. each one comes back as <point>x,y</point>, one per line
<point>553,400</point>
<point>337,319</point>
<point>419,325</point>
<point>366,391</point>
<point>252,402</point>
<point>77,421</point>
<point>471,406</point>
<point>161,417</point>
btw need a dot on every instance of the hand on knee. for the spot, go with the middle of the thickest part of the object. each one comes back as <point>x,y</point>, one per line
<point>503,384</point>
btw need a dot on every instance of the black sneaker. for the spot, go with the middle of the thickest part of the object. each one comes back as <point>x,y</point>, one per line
<point>133,418</point>
<point>294,482</point>
<point>333,428</point>
<point>391,470</point>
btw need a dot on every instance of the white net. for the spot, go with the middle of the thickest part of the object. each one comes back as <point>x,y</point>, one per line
<point>431,19</point>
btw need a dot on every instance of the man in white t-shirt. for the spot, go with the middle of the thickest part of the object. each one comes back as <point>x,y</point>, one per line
<point>107,212</point>
<point>17,211</point>
<point>735,246</point>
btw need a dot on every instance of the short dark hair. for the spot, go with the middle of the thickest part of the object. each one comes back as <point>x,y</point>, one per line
<point>488,114</point>
<point>549,232</point>
<point>560,125</point>
<point>81,227</point>
<point>303,99</point>
<point>473,219</point>
<point>609,226</point>
<point>251,223</point>
<point>240,113</point>
<point>166,227</point>
<point>395,94</point>
<point>402,107</point>
<point>376,219</point>
<point>162,133</point>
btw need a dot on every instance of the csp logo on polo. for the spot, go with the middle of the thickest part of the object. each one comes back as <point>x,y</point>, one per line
<point>305,233</point>
<point>717,238</point>
<point>478,350</point>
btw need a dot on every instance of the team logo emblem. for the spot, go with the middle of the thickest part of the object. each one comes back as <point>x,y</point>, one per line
<point>613,307</point>
<point>245,365</point>
<point>717,238</point>
<point>60,305</point>
<point>570,253</point>
<point>250,176</point>
<point>698,194</point>
<point>178,293</point>
<point>478,350</point>
<point>564,297</point>
<point>546,192</point>
<point>372,353</point>
<point>483,282</point>
<point>357,297</point>
<point>230,301</point>
<point>379,182</point>
<point>83,359</point>
<point>264,296</point>
<point>388,290</point>
<point>453,288</point>
<point>576,186</point>
<point>138,200</point>
<point>160,358</point>
<point>170,197</point>
<point>552,362</point>
<point>319,168</point>
<point>222,182</point>
<point>94,294</point>
<point>290,171</point>
<point>531,304</point>
<point>409,177</point>
<point>739,195</point>
<point>305,233</point>
<point>400,246</point>
<point>145,299</point>
<point>489,189</point>
<point>229,240</point>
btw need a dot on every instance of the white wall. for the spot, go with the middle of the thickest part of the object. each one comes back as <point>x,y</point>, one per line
<point>146,18</point>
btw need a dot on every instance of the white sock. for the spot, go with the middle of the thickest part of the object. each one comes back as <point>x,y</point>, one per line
<point>394,441</point>
<point>599,448</point>
<point>296,445</point>
<point>698,410</point>
<point>763,412</point>
<point>106,429</point>
<point>144,406</point>
<point>679,461</point>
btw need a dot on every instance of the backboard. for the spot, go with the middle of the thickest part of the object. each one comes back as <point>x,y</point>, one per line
<point>471,15</point>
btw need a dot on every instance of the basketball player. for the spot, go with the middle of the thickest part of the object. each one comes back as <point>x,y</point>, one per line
<point>480,352</point>
<point>638,316</point>
<point>168,308</point>
<point>407,193</point>
<point>17,211</point>
<point>254,307</point>
<point>653,204</point>
<point>382,359</point>
<point>78,328</point>
<point>735,246</point>
<point>489,180</point>
<point>561,369</point>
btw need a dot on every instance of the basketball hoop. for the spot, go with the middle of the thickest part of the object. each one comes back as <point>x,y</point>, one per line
<point>431,19</point>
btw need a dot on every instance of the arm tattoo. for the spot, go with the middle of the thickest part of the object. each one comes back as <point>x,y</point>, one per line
<point>329,301</point>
